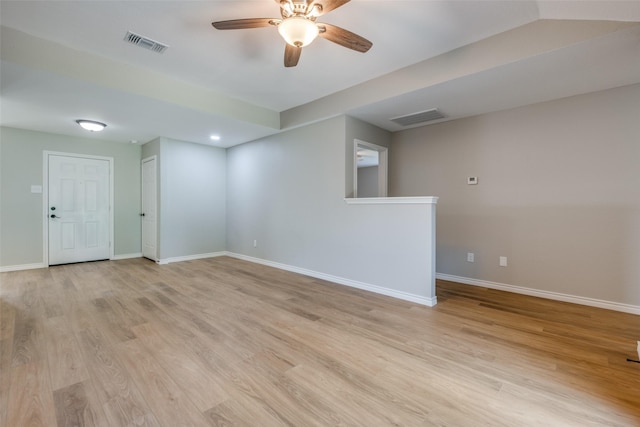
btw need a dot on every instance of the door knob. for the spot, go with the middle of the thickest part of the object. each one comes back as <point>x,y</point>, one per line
<point>141,214</point>
<point>54,216</point>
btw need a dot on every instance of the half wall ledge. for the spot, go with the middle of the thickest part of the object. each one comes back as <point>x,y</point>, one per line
<point>392,243</point>
<point>420,200</point>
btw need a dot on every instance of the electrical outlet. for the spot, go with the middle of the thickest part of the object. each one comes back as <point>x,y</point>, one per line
<point>471,257</point>
<point>255,243</point>
<point>503,261</point>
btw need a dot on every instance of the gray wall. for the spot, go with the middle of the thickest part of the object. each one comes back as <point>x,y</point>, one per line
<point>21,157</point>
<point>558,193</point>
<point>191,198</point>
<point>287,193</point>
<point>368,181</point>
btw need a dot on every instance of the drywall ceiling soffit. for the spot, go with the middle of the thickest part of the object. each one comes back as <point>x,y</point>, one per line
<point>609,61</point>
<point>530,44</point>
<point>46,102</point>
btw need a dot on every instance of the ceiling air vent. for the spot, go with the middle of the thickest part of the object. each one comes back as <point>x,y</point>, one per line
<point>421,117</point>
<point>145,42</point>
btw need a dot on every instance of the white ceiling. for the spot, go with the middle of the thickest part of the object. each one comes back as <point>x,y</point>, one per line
<point>61,61</point>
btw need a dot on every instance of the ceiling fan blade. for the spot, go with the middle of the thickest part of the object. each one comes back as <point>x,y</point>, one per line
<point>344,37</point>
<point>240,24</point>
<point>291,55</point>
<point>327,6</point>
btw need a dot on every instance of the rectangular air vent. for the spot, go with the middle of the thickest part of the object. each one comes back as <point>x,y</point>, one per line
<point>145,42</point>
<point>421,117</point>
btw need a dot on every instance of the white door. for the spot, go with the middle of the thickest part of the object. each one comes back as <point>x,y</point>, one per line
<point>79,211</point>
<point>149,208</point>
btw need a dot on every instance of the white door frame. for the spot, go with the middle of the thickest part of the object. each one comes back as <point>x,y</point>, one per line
<point>142,162</point>
<point>45,199</point>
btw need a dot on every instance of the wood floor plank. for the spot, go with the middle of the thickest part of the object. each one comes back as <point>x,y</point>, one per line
<point>225,342</point>
<point>6,346</point>
<point>74,408</point>
<point>200,384</point>
<point>27,340</point>
<point>7,319</point>
<point>30,399</point>
<point>7,323</point>
<point>121,400</point>
<point>167,401</point>
<point>50,297</point>
<point>344,394</point>
<point>63,353</point>
<point>114,327</point>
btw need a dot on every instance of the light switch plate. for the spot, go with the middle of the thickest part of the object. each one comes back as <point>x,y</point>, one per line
<point>36,188</point>
<point>472,180</point>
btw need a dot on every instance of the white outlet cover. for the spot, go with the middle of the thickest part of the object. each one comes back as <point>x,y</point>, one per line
<point>472,180</point>
<point>503,261</point>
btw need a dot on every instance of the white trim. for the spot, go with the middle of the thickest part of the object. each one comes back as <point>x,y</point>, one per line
<point>153,157</point>
<point>592,302</point>
<point>190,257</point>
<point>418,299</point>
<point>126,256</point>
<point>22,267</point>
<point>45,199</point>
<point>393,201</point>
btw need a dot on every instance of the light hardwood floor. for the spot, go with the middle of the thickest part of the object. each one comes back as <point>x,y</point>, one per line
<point>224,342</point>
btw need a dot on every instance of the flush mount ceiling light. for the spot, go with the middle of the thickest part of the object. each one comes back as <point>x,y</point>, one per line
<point>215,137</point>
<point>91,125</point>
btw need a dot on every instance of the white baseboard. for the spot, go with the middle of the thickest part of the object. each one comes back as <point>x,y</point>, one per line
<point>592,302</point>
<point>42,265</point>
<point>126,256</point>
<point>164,261</point>
<point>429,302</point>
<point>22,267</point>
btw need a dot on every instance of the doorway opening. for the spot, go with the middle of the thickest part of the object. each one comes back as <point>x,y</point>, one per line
<point>369,170</point>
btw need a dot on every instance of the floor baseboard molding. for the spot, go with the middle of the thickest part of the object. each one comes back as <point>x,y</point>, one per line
<point>22,267</point>
<point>592,302</point>
<point>429,302</point>
<point>164,261</point>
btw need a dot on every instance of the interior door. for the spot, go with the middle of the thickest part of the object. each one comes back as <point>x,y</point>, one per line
<point>149,209</point>
<point>79,211</point>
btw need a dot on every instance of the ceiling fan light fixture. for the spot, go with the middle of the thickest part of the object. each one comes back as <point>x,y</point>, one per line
<point>298,31</point>
<point>91,125</point>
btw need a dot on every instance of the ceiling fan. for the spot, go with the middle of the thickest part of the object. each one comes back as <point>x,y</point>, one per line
<point>298,27</point>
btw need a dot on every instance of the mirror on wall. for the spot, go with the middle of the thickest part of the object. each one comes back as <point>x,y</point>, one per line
<point>370,170</point>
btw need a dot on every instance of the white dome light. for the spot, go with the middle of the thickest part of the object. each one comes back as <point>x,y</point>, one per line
<point>298,31</point>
